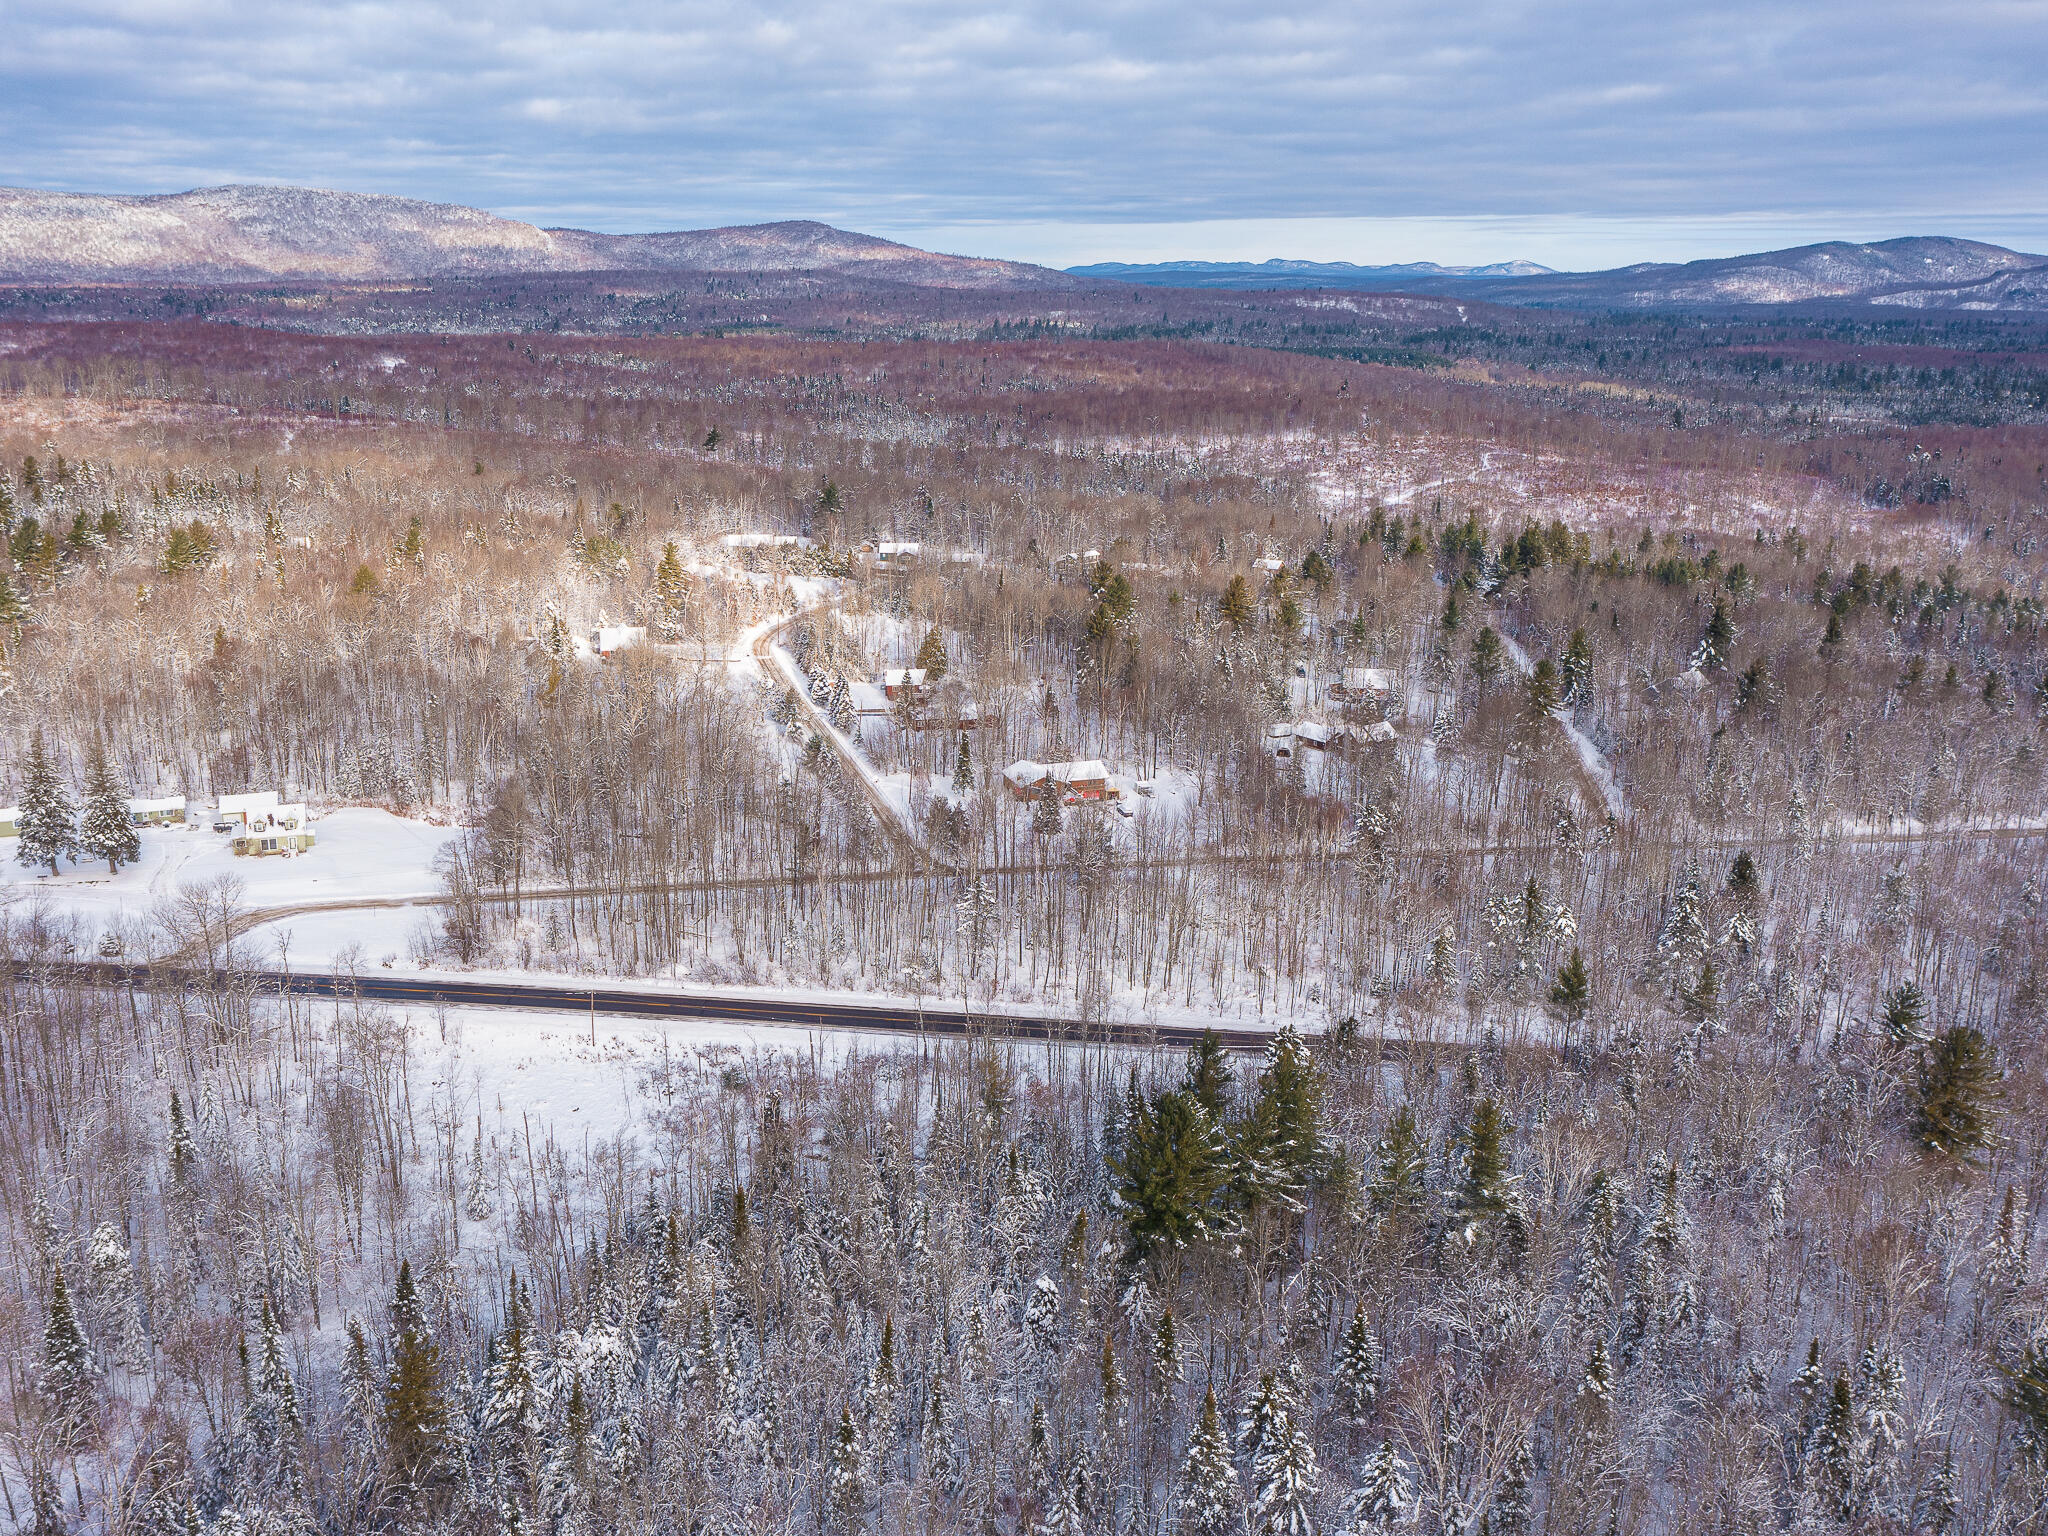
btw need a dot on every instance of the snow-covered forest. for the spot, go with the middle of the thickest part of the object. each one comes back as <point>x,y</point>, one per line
<point>1630,836</point>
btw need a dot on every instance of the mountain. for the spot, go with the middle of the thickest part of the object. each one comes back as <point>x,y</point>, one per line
<point>262,234</point>
<point>1277,273</point>
<point>1928,272</point>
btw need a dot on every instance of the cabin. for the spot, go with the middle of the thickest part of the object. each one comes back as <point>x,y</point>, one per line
<point>1086,779</point>
<point>1366,685</point>
<point>1269,565</point>
<point>167,812</point>
<point>1284,739</point>
<point>1380,733</point>
<point>235,812</point>
<point>897,681</point>
<point>10,821</point>
<point>611,638</point>
<point>282,829</point>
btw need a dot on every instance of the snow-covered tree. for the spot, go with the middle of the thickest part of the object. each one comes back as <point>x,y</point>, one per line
<point>476,1201</point>
<point>1208,1502</point>
<point>105,829</point>
<point>67,1379</point>
<point>1358,1370</point>
<point>1384,1500</point>
<point>44,831</point>
<point>1285,1480</point>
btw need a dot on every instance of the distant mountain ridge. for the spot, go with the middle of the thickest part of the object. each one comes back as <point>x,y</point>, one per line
<point>1922,271</point>
<point>1279,273</point>
<point>256,234</point>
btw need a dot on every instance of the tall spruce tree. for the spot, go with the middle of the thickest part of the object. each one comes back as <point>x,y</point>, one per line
<point>67,1377</point>
<point>1958,1090</point>
<point>1171,1175</point>
<point>1208,1501</point>
<point>43,823</point>
<point>106,830</point>
<point>415,1417</point>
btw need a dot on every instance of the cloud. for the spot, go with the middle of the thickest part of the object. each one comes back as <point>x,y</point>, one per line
<point>922,114</point>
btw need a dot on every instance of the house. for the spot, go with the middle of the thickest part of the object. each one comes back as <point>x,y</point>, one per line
<point>10,821</point>
<point>1086,779</point>
<point>617,637</point>
<point>1379,734</point>
<point>1308,735</point>
<point>1269,564</point>
<point>282,829</point>
<point>235,812</point>
<point>167,812</point>
<point>896,681</point>
<point>1360,685</point>
<point>898,552</point>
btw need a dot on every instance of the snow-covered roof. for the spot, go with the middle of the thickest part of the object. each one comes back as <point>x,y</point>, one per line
<point>899,547</point>
<point>867,699</point>
<point>617,637</point>
<point>279,818</point>
<point>896,677</point>
<point>249,804</point>
<point>1024,771</point>
<point>152,807</point>
<point>1379,730</point>
<point>1074,772</point>
<point>1370,679</point>
<point>763,540</point>
<point>1269,564</point>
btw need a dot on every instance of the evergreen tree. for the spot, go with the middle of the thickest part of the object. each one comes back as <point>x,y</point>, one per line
<point>1576,675</point>
<point>1171,1176</point>
<point>44,824</point>
<point>1236,606</point>
<point>1166,1350</point>
<point>1045,815</point>
<point>1384,1499</point>
<point>1483,1181</point>
<point>1702,1000</point>
<point>415,1419</point>
<point>106,831</point>
<point>1541,695</point>
<point>1959,1084</point>
<point>13,607</point>
<point>1743,885</point>
<point>1719,636</point>
<point>1397,1184</point>
<point>275,1410</point>
<point>1905,1015</point>
<point>1277,1150</point>
<point>963,767</point>
<point>1596,1384</point>
<point>846,1486</point>
<point>1285,1480</point>
<point>476,1203</point>
<point>1358,1370</point>
<point>1207,1504</point>
<point>1572,993</point>
<point>671,592</point>
<point>931,655</point>
<point>1510,1514</point>
<point>1486,658</point>
<point>1208,1075</point>
<point>67,1377</point>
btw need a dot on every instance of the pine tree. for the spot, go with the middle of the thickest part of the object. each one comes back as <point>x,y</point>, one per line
<point>1042,1314</point>
<point>1483,1181</point>
<point>1834,1454</point>
<point>1358,1370</point>
<point>14,610</point>
<point>1959,1084</point>
<point>1905,1015</point>
<point>476,1203</point>
<point>44,823</point>
<point>1573,990</point>
<point>1045,815</point>
<point>1576,675</point>
<point>1486,658</point>
<point>274,1408</point>
<point>415,1419</point>
<point>1596,1384</point>
<point>846,1486</point>
<point>1702,1000</point>
<point>1510,1513</point>
<point>67,1378</point>
<point>1384,1498</point>
<point>963,767</point>
<point>1683,942</point>
<point>1397,1184</point>
<point>1719,636</point>
<point>1166,1350</point>
<point>105,830</point>
<point>1208,1075</point>
<point>1170,1176</point>
<point>1541,695</point>
<point>931,655</point>
<point>1207,1504</point>
<point>1236,606</point>
<point>1285,1480</point>
<point>671,592</point>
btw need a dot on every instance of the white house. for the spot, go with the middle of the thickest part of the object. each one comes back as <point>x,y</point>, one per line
<point>282,829</point>
<point>169,811</point>
<point>235,812</point>
<point>1269,564</point>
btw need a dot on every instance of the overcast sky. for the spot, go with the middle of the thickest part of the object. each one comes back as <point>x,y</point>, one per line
<point>1578,133</point>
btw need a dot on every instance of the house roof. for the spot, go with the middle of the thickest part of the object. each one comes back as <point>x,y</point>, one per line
<point>867,699</point>
<point>255,800</point>
<point>895,677</point>
<point>1374,679</point>
<point>144,807</point>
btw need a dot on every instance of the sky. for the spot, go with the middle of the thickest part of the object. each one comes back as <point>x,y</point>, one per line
<point>1578,133</point>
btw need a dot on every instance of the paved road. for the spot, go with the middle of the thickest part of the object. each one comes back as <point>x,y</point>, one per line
<point>615,1002</point>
